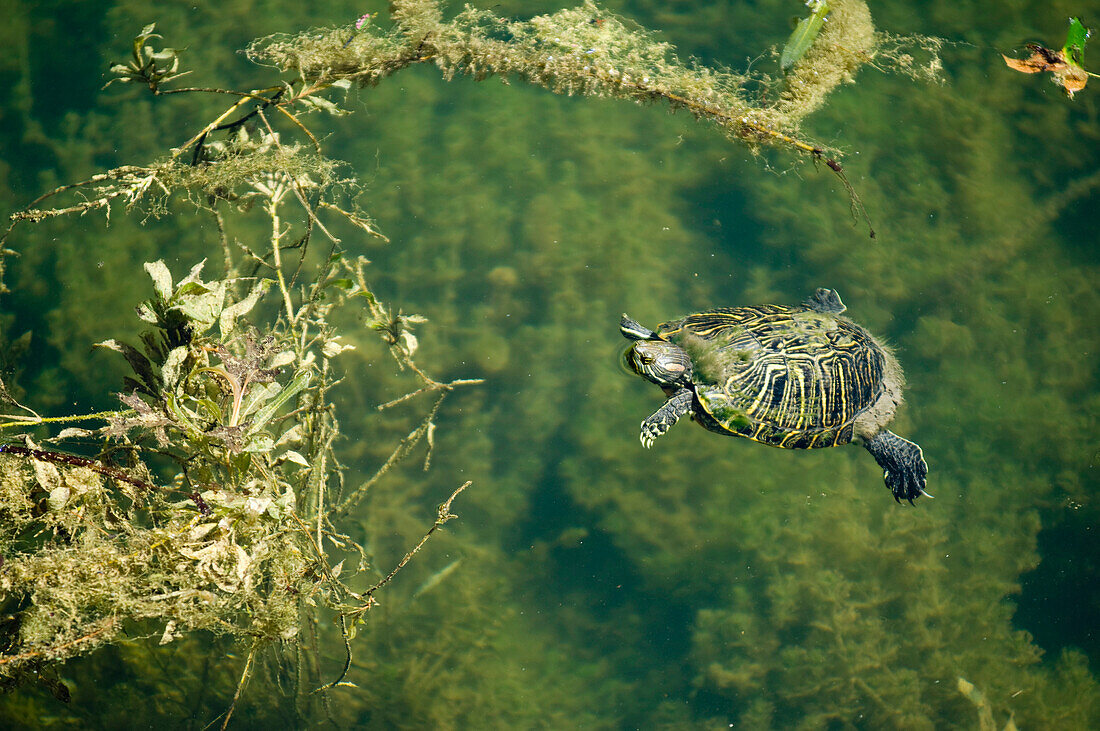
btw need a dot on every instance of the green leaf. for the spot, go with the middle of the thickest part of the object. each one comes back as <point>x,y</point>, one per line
<point>228,319</point>
<point>192,288</point>
<point>181,416</point>
<point>170,371</point>
<point>208,409</point>
<point>162,278</point>
<point>319,102</point>
<point>804,35</point>
<point>300,380</point>
<point>296,457</point>
<point>202,309</point>
<point>258,394</point>
<point>146,312</point>
<point>193,275</point>
<point>166,54</point>
<point>1074,50</point>
<point>260,442</point>
<point>291,435</point>
<point>282,359</point>
<point>241,462</point>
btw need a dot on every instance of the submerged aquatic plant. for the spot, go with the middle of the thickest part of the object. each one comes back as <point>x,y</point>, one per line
<point>215,500</point>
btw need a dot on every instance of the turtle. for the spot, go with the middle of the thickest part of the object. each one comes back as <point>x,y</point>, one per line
<point>796,377</point>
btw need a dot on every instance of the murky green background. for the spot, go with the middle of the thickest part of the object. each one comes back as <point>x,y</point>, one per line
<point>707,582</point>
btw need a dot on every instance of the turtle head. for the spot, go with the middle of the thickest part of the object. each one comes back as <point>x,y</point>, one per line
<point>661,362</point>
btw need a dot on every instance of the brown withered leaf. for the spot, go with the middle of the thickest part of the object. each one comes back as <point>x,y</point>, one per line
<point>1066,74</point>
<point>148,418</point>
<point>1041,59</point>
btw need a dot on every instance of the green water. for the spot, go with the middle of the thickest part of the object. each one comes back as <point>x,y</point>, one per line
<point>707,582</point>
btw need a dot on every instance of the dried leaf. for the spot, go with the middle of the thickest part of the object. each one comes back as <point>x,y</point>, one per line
<point>291,456</point>
<point>72,432</point>
<point>47,475</point>
<point>170,632</point>
<point>257,506</point>
<point>1041,60</point>
<point>58,497</point>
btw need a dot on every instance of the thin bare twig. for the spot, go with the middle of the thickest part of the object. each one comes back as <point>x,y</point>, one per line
<point>431,387</point>
<point>347,657</point>
<point>240,685</point>
<point>444,515</point>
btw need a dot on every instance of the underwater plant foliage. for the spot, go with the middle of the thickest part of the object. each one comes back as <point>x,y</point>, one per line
<point>708,580</point>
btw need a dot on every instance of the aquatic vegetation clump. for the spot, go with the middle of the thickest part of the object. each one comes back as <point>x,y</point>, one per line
<point>845,43</point>
<point>95,568</point>
<point>586,51</point>
<point>227,170</point>
<point>234,542</point>
<point>92,545</point>
<point>214,500</point>
<point>1066,66</point>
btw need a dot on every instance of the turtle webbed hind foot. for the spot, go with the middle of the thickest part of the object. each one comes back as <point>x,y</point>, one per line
<point>903,467</point>
<point>663,419</point>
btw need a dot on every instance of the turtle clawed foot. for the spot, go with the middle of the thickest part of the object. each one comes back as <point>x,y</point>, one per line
<point>903,467</point>
<point>663,419</point>
<point>650,432</point>
<point>654,427</point>
<point>922,492</point>
<point>907,481</point>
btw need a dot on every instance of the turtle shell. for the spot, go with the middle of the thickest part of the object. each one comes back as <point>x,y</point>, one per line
<point>791,377</point>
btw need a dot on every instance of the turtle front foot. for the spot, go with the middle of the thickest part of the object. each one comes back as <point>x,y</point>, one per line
<point>651,430</point>
<point>663,419</point>
<point>903,467</point>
